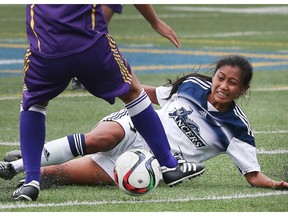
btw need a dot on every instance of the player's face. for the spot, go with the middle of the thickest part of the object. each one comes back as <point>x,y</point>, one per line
<point>226,87</point>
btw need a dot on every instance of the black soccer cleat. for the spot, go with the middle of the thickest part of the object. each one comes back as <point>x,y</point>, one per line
<point>184,170</point>
<point>27,192</point>
<point>7,171</point>
<point>13,156</point>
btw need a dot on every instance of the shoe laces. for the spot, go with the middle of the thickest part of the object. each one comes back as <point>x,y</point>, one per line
<point>179,155</point>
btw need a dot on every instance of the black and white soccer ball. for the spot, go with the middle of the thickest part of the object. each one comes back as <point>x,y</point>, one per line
<point>137,172</point>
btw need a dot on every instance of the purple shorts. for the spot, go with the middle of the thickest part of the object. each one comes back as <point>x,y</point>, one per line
<point>101,69</point>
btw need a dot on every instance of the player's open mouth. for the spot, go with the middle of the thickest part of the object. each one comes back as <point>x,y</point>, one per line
<point>221,94</point>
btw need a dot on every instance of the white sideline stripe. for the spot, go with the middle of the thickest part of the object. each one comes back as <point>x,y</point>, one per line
<point>271,152</point>
<point>11,61</point>
<point>229,34</point>
<point>252,10</point>
<point>134,201</point>
<point>18,97</point>
<point>271,132</point>
<point>9,144</point>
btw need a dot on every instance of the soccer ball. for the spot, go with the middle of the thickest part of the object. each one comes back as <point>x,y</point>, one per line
<point>137,172</point>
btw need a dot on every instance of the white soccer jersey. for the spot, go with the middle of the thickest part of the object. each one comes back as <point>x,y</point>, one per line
<point>193,126</point>
<point>196,128</point>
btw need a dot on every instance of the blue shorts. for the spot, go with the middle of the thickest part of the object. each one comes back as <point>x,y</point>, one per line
<point>101,69</point>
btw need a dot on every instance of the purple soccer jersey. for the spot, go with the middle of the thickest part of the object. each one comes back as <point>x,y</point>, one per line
<point>59,30</point>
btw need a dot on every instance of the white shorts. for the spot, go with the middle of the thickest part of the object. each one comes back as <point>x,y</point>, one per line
<point>131,140</point>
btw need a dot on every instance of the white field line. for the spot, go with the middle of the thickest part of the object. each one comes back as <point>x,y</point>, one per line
<point>10,61</point>
<point>134,201</point>
<point>64,95</point>
<point>271,152</point>
<point>251,10</point>
<point>271,132</point>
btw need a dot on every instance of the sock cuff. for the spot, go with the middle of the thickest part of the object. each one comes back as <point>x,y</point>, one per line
<point>77,144</point>
<point>35,108</point>
<point>139,104</point>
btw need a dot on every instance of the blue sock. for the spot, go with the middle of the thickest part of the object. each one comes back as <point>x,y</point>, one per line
<point>148,124</point>
<point>32,138</point>
<point>77,144</point>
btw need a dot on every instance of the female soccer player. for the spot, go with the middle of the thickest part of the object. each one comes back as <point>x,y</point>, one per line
<point>199,114</point>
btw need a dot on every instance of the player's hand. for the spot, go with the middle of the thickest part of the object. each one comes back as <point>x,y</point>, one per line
<point>281,185</point>
<point>166,31</point>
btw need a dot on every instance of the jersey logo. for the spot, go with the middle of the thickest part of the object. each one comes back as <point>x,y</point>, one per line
<point>203,113</point>
<point>46,154</point>
<point>188,126</point>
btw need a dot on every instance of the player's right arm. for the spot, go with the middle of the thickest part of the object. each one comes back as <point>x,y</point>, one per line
<point>151,92</point>
<point>158,95</point>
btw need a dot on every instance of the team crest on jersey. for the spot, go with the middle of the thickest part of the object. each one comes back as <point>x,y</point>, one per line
<point>187,126</point>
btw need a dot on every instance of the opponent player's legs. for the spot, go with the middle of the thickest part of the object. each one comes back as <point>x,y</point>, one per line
<point>100,139</point>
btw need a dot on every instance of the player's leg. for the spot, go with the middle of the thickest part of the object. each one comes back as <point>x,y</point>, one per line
<point>54,152</point>
<point>32,137</point>
<point>81,171</point>
<point>124,136</point>
<point>38,89</point>
<point>58,151</point>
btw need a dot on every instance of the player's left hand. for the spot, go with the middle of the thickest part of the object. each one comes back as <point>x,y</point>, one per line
<point>166,31</point>
<point>281,185</point>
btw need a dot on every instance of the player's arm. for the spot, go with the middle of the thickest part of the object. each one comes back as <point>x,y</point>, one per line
<point>258,179</point>
<point>158,95</point>
<point>151,92</point>
<point>157,24</point>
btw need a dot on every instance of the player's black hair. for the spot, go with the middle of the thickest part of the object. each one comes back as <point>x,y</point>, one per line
<point>239,61</point>
<point>178,81</point>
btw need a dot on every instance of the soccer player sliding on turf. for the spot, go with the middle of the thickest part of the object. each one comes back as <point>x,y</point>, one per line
<point>201,119</point>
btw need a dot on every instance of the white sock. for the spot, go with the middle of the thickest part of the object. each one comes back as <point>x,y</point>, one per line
<point>54,152</point>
